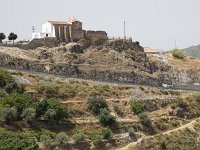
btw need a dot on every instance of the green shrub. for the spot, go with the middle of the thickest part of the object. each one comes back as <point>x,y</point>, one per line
<point>5,78</point>
<point>79,137</point>
<point>49,90</point>
<point>197,98</point>
<point>165,92</point>
<point>51,114</point>
<point>46,139</point>
<point>7,82</point>
<point>57,90</point>
<point>61,138</point>
<point>51,59</point>
<point>52,108</point>
<point>144,119</point>
<point>137,107</point>
<point>173,92</point>
<point>95,104</point>
<point>17,141</point>
<point>131,133</point>
<point>118,110</point>
<point>8,114</point>
<point>179,54</point>
<point>3,93</point>
<point>163,145</point>
<point>20,101</point>
<point>28,114</point>
<point>105,118</point>
<point>181,103</point>
<point>106,133</point>
<point>100,90</point>
<point>98,141</point>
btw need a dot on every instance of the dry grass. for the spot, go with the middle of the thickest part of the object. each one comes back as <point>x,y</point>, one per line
<point>185,64</point>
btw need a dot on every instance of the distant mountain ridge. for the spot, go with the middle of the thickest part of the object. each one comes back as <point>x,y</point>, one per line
<point>193,51</point>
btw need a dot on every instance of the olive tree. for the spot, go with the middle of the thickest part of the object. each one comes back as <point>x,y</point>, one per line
<point>2,37</point>
<point>8,114</point>
<point>12,37</point>
<point>28,114</point>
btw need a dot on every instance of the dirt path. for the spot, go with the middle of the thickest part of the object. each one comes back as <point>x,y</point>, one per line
<point>188,125</point>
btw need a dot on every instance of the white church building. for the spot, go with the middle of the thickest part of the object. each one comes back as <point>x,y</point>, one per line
<point>64,31</point>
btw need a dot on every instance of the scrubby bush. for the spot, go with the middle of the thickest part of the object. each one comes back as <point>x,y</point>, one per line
<point>3,93</point>
<point>52,108</point>
<point>163,145</point>
<point>51,114</point>
<point>137,107</point>
<point>97,141</point>
<point>144,119</point>
<point>28,114</point>
<point>7,82</point>
<point>57,90</point>
<point>106,133</point>
<point>17,141</point>
<point>20,101</point>
<point>5,78</point>
<point>95,104</point>
<point>8,114</point>
<point>61,138</point>
<point>179,54</point>
<point>118,110</point>
<point>131,133</point>
<point>79,137</point>
<point>181,103</point>
<point>105,118</point>
<point>46,139</point>
<point>101,90</point>
<point>197,98</point>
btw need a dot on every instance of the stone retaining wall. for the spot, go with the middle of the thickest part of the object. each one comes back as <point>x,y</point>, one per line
<point>76,71</point>
<point>35,43</point>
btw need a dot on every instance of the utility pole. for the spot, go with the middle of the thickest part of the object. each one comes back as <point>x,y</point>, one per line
<point>33,29</point>
<point>124,30</point>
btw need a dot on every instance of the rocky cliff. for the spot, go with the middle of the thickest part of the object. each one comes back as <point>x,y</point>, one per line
<point>113,61</point>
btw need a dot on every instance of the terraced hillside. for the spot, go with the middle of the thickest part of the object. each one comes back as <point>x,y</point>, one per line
<point>60,113</point>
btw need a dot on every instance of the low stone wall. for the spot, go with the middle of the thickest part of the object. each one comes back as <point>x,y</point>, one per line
<point>35,43</point>
<point>92,34</point>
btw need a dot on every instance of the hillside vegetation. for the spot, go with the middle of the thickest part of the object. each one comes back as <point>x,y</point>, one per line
<point>44,112</point>
<point>193,51</point>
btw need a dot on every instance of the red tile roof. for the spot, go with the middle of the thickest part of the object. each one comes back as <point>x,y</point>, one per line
<point>59,22</point>
<point>150,50</point>
<point>71,20</point>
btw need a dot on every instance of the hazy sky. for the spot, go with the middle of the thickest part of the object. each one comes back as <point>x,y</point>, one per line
<point>154,23</point>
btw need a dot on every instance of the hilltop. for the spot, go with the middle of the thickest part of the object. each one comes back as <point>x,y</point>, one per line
<point>193,51</point>
<point>100,59</point>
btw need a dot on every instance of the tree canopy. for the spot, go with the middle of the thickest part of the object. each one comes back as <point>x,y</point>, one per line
<point>12,36</point>
<point>2,37</point>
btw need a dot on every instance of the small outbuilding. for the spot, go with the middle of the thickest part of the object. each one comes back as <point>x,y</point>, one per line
<point>150,51</point>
